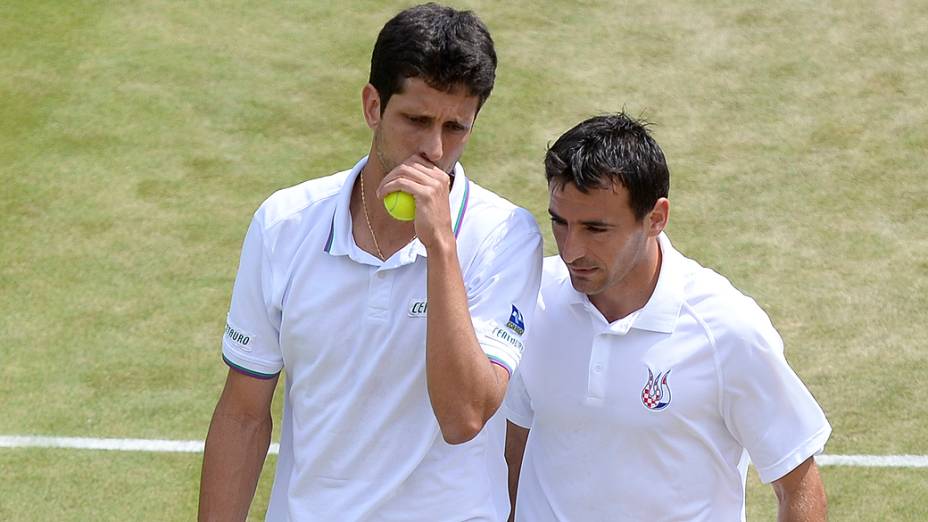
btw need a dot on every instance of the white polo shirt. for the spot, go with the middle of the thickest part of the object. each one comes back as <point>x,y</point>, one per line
<point>653,416</point>
<point>359,438</point>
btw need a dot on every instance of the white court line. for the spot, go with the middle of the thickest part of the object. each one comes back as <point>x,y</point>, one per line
<point>157,445</point>
<point>196,446</point>
<point>874,461</point>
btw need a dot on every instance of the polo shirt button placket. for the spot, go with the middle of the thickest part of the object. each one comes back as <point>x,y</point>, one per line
<point>381,285</point>
<point>599,358</point>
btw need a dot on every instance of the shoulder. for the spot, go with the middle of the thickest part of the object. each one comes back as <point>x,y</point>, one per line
<point>300,200</point>
<point>296,214</point>
<point>553,274</point>
<point>486,213</point>
<point>554,282</point>
<point>493,232</point>
<point>732,319</point>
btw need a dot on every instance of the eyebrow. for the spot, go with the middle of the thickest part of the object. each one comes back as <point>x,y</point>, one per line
<point>463,125</point>
<point>591,223</point>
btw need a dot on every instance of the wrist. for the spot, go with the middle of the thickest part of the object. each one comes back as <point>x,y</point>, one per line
<point>442,246</point>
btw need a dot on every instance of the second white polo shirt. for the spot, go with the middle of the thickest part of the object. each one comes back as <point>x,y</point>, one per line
<point>652,417</point>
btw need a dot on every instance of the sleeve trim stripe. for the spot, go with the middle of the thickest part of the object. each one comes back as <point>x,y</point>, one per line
<point>246,371</point>
<point>328,244</point>
<point>499,362</point>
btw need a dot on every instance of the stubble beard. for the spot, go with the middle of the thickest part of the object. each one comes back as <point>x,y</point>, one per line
<point>587,286</point>
<point>378,151</point>
<point>388,165</point>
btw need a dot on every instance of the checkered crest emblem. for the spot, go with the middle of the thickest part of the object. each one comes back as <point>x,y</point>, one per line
<point>656,393</point>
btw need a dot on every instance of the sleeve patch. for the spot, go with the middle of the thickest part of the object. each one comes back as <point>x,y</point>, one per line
<point>516,323</point>
<point>508,338</point>
<point>238,337</point>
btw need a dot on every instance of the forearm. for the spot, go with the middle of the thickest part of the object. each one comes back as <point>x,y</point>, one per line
<point>801,513</point>
<point>803,508</point>
<point>234,455</point>
<point>801,495</point>
<point>464,387</point>
<point>516,438</point>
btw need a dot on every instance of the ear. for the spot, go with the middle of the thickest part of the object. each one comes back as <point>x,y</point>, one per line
<point>370,105</point>
<point>658,217</point>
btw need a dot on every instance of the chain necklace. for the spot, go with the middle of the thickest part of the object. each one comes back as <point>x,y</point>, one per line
<point>367,218</point>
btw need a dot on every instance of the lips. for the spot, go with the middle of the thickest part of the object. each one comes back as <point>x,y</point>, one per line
<point>581,271</point>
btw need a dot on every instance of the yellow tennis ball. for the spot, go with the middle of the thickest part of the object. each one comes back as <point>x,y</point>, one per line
<point>401,205</point>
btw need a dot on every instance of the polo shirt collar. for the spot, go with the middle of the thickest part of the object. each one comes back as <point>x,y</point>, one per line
<point>661,311</point>
<point>340,240</point>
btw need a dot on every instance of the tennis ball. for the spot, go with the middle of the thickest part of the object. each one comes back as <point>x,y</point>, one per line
<point>400,205</point>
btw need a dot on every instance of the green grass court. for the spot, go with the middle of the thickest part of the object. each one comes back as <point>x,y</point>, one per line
<point>137,138</point>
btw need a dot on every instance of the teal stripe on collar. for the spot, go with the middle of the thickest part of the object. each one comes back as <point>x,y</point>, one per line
<point>460,218</point>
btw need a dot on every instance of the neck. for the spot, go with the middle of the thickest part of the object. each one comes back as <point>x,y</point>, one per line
<point>636,288</point>
<point>391,235</point>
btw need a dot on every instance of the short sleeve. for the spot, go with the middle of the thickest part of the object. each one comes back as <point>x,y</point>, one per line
<point>250,343</point>
<point>518,404</point>
<point>765,405</point>
<point>502,286</point>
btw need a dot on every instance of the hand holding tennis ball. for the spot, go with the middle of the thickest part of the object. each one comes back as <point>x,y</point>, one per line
<point>400,205</point>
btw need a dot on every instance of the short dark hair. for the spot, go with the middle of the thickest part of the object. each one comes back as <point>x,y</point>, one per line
<point>446,48</point>
<point>608,149</point>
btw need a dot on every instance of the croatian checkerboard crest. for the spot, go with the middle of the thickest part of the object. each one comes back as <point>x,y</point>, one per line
<point>656,393</point>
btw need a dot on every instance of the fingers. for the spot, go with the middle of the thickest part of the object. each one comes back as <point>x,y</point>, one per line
<point>429,185</point>
<point>417,177</point>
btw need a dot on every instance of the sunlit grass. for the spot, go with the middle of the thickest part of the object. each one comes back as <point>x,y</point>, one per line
<point>136,139</point>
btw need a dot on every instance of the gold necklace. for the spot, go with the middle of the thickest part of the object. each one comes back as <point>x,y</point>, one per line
<point>367,218</point>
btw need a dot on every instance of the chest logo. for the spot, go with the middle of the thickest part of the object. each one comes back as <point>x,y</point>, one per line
<point>656,393</point>
<point>418,308</point>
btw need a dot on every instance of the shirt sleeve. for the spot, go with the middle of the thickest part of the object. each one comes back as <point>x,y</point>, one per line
<point>502,286</point>
<point>765,405</point>
<point>250,343</point>
<point>518,404</point>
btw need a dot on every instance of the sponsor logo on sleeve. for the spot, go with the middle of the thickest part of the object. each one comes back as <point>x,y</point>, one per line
<point>418,308</point>
<point>516,324</point>
<point>240,338</point>
<point>508,338</point>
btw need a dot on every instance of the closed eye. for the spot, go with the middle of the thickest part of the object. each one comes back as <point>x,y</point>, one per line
<point>455,127</point>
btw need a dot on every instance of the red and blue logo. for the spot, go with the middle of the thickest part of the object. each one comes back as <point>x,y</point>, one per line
<point>656,393</point>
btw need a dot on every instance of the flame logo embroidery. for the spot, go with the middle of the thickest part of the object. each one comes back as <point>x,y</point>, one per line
<point>656,393</point>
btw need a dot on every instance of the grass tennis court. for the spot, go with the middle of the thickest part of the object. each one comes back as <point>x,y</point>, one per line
<point>136,139</point>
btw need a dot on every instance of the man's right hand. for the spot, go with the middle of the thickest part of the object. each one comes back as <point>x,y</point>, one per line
<point>430,186</point>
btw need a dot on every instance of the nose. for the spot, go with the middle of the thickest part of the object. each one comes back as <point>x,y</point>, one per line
<point>432,147</point>
<point>571,246</point>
